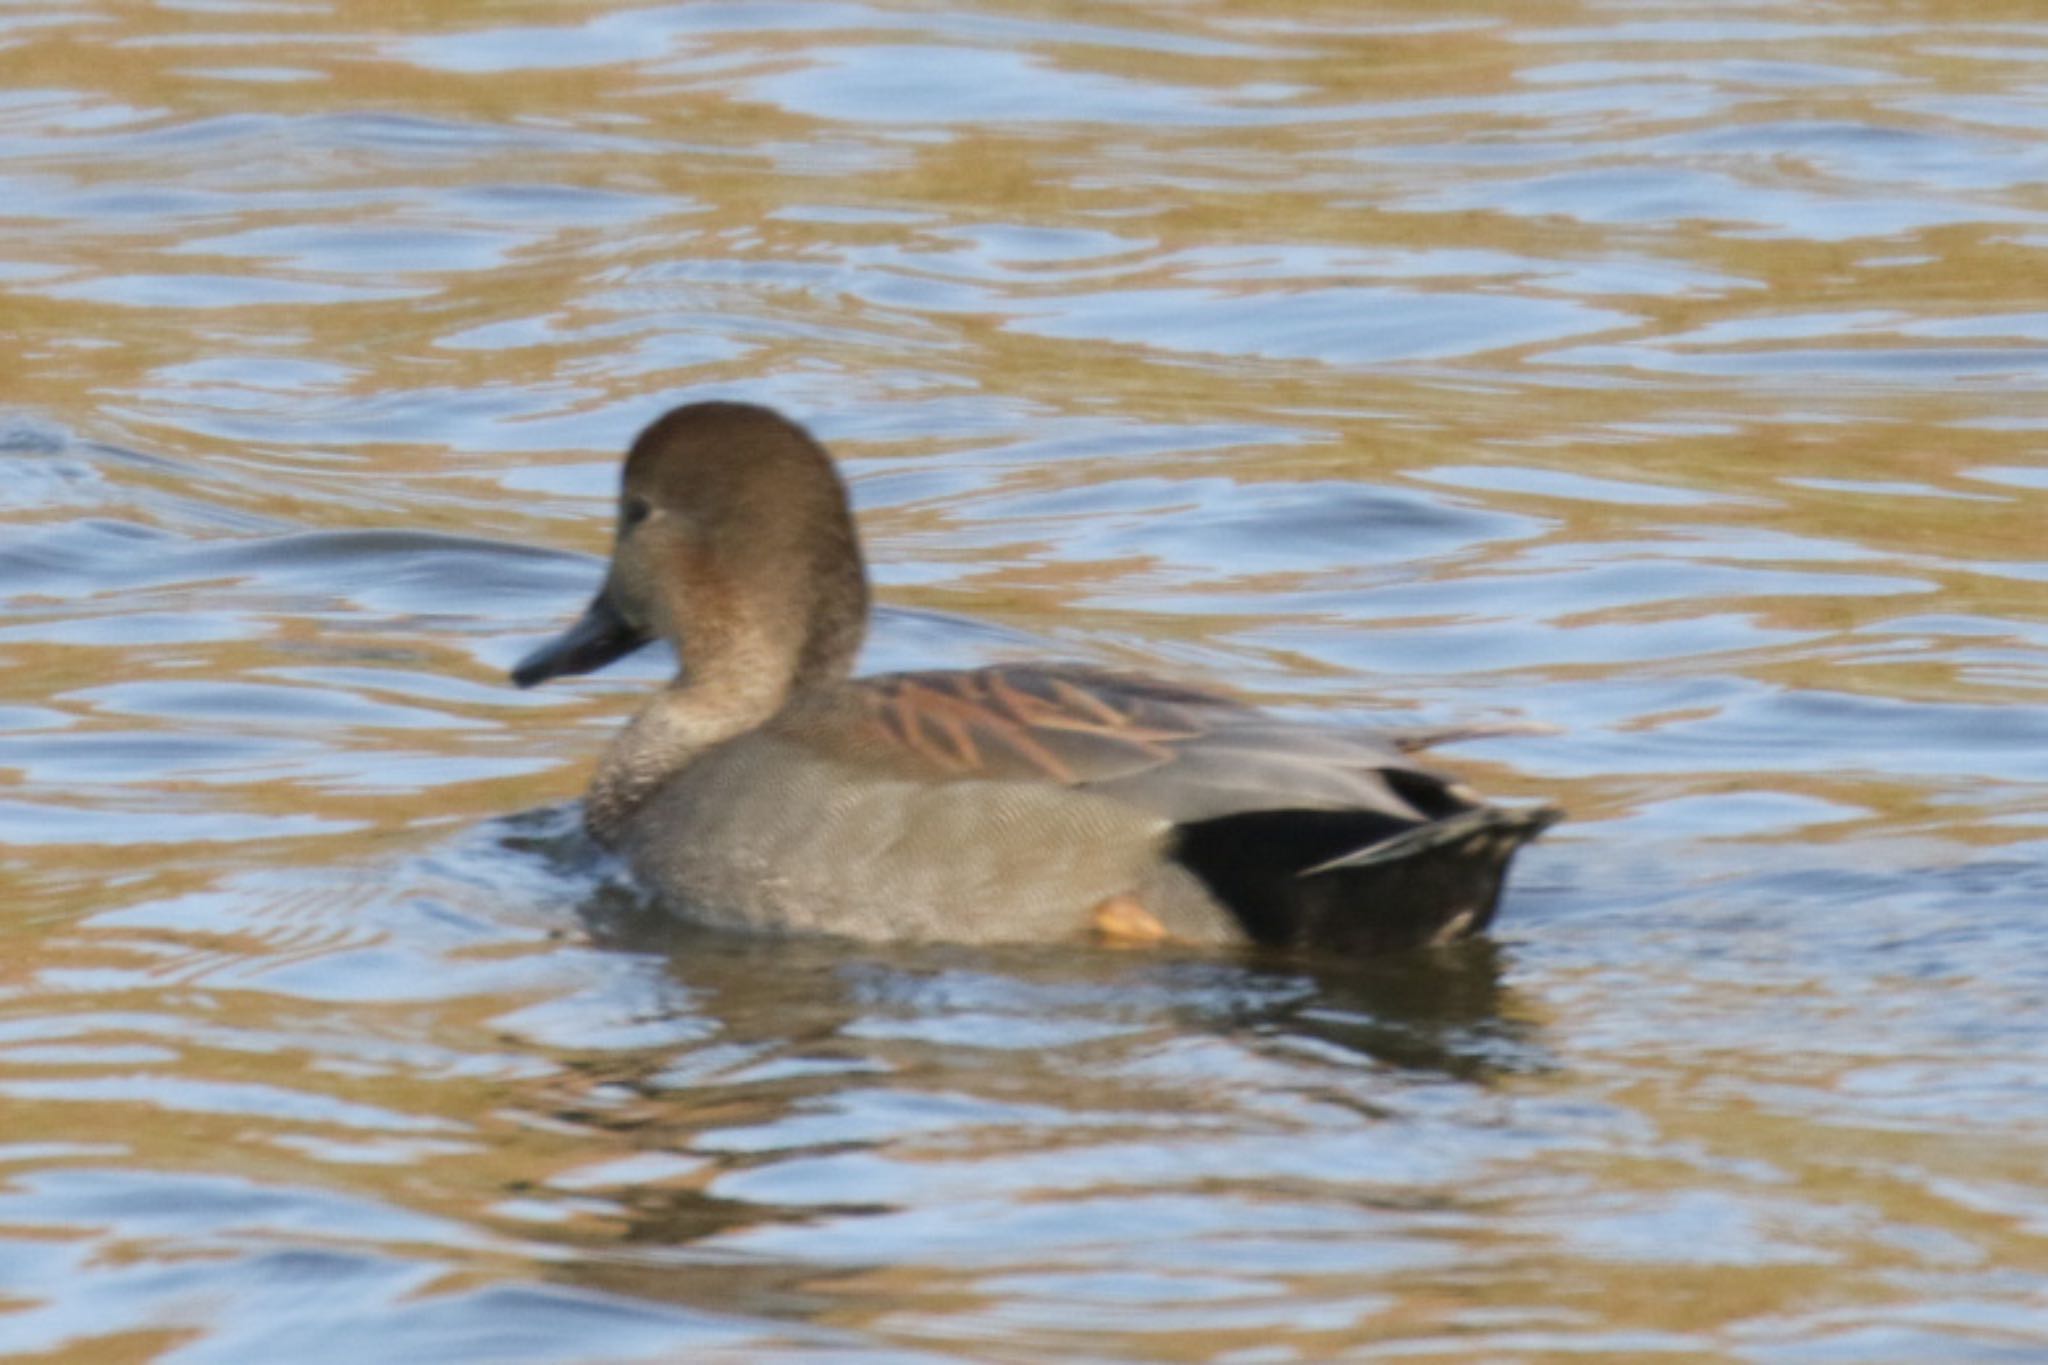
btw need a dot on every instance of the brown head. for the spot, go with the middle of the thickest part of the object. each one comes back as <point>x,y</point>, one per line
<point>735,542</point>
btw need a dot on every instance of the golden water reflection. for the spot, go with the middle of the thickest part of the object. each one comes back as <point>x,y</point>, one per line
<point>1669,374</point>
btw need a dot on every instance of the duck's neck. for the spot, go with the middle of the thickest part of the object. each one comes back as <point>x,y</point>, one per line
<point>733,682</point>
<point>661,741</point>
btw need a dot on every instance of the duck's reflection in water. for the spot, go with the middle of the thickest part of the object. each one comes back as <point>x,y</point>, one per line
<point>841,1107</point>
<point>1443,1010</point>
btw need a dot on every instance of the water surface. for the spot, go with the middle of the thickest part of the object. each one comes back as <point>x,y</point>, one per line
<point>1668,373</point>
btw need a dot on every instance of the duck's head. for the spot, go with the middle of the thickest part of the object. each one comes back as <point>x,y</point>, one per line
<point>735,543</point>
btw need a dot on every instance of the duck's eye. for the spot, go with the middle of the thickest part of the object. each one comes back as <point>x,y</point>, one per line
<point>634,512</point>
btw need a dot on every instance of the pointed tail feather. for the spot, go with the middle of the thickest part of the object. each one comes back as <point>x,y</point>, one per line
<point>1430,884</point>
<point>1359,882</point>
<point>1473,832</point>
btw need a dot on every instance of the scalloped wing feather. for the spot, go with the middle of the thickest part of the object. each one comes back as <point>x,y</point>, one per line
<point>1182,752</point>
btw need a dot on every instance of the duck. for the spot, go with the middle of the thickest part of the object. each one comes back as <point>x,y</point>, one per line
<point>769,789</point>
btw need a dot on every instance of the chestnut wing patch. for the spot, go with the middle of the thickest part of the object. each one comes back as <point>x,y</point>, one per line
<point>1185,754</point>
<point>1067,725</point>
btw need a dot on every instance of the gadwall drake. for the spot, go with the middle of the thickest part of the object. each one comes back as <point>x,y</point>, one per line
<point>768,789</point>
